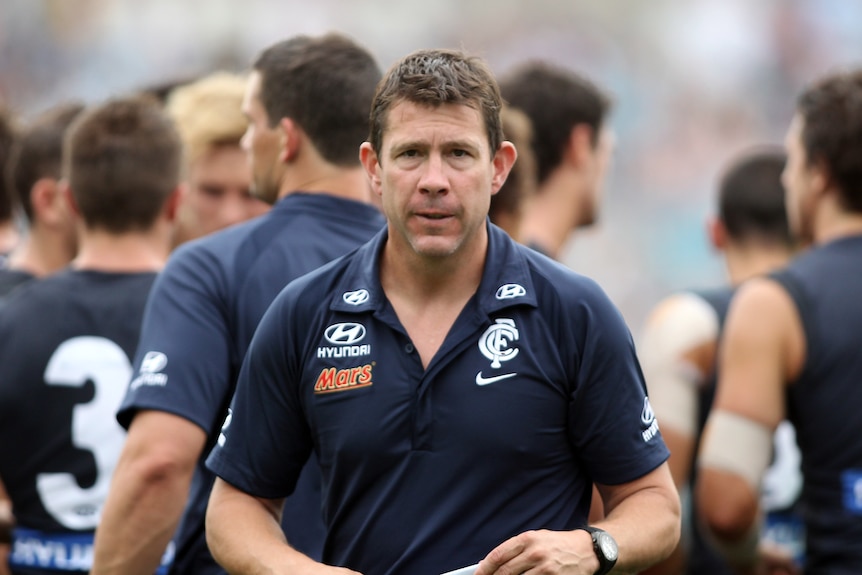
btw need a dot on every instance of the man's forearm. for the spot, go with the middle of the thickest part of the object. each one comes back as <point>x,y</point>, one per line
<point>645,523</point>
<point>139,519</point>
<point>244,534</point>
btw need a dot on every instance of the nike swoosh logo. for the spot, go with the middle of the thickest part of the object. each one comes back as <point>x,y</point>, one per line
<point>486,380</point>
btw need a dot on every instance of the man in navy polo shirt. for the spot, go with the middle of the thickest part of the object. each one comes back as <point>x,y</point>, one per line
<point>307,103</point>
<point>66,341</point>
<point>460,391</point>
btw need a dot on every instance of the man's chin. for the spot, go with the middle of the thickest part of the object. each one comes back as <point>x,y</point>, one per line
<point>264,194</point>
<point>435,248</point>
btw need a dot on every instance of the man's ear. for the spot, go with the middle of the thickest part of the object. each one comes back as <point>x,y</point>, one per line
<point>716,231</point>
<point>503,161</point>
<point>174,201</point>
<point>580,145</point>
<point>371,163</point>
<point>291,139</point>
<point>47,202</point>
<point>820,178</point>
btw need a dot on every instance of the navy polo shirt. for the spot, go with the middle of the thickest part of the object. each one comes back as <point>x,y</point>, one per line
<point>198,323</point>
<point>535,392</point>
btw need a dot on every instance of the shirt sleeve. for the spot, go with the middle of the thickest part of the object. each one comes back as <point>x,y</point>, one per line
<point>611,422</point>
<point>183,360</point>
<point>266,440</point>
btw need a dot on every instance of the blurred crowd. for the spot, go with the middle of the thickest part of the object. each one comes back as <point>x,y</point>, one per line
<point>692,83</point>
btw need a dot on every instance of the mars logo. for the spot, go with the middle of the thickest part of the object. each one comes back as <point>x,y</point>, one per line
<point>331,379</point>
<point>496,342</point>
<point>510,291</point>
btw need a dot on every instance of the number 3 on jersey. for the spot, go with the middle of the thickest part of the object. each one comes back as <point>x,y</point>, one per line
<point>94,428</point>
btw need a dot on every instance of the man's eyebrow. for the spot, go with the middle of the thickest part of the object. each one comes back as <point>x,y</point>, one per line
<point>407,145</point>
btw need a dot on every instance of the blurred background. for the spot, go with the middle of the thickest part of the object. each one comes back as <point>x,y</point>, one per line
<point>694,83</point>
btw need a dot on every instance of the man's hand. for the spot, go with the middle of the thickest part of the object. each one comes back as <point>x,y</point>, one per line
<point>569,552</point>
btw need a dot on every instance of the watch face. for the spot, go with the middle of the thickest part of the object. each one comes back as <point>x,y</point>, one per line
<point>608,546</point>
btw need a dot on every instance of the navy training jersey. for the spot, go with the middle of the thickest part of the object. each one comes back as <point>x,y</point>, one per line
<point>703,558</point>
<point>11,279</point>
<point>66,344</point>
<point>534,394</point>
<point>200,319</point>
<point>780,487</point>
<point>824,403</point>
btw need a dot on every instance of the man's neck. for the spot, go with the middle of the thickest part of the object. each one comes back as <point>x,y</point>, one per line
<point>9,236</point>
<point>836,225</point>
<point>348,183</point>
<point>429,295</point>
<point>41,253</point>
<point>552,215</point>
<point>746,262</point>
<point>123,253</point>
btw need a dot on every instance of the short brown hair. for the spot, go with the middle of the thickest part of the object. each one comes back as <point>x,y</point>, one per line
<point>122,161</point>
<point>433,78</point>
<point>38,153</point>
<point>324,84</point>
<point>831,111</point>
<point>8,135</point>
<point>521,182</point>
<point>751,202</point>
<point>556,100</point>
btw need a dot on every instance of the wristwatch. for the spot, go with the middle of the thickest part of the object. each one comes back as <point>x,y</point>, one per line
<point>605,548</point>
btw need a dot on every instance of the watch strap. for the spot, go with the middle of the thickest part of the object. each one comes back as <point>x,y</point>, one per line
<point>605,563</point>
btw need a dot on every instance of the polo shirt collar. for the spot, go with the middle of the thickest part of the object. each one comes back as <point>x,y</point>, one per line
<point>506,279</point>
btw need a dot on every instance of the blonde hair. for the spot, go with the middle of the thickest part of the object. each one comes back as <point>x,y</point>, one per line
<point>208,112</point>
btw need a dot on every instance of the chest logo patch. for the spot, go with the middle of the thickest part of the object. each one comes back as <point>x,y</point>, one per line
<point>344,333</point>
<point>497,342</point>
<point>357,297</point>
<point>331,379</point>
<point>510,291</point>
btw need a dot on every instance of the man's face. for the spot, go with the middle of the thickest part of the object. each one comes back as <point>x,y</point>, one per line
<point>218,193</point>
<point>435,176</point>
<point>596,169</point>
<point>262,144</point>
<point>799,180</point>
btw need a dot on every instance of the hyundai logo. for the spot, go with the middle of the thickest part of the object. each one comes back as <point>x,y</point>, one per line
<point>357,297</point>
<point>153,362</point>
<point>344,333</point>
<point>510,291</point>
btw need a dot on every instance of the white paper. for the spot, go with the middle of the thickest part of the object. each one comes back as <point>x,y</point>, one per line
<point>463,570</point>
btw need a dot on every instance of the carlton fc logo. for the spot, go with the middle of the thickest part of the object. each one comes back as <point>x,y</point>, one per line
<point>496,342</point>
<point>510,291</point>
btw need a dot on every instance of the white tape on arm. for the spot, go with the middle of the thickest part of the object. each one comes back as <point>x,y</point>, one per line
<point>738,445</point>
<point>680,324</point>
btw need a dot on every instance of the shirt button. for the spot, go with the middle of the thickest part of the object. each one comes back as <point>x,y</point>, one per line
<point>408,348</point>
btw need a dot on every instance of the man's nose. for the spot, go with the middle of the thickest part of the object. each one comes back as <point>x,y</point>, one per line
<point>434,179</point>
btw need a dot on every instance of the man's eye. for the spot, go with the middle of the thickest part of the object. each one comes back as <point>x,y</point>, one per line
<point>460,153</point>
<point>410,153</point>
<point>212,191</point>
